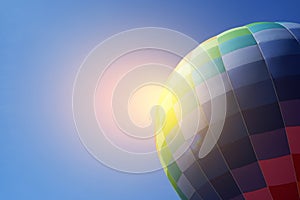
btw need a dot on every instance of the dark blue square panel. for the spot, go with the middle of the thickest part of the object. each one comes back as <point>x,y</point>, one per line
<point>288,88</point>
<point>208,192</point>
<point>248,74</point>
<point>213,164</point>
<point>291,112</point>
<point>249,177</point>
<point>207,106</point>
<point>255,95</point>
<point>263,119</point>
<point>270,144</point>
<point>195,175</point>
<point>282,47</point>
<point>239,153</point>
<point>233,130</point>
<point>282,66</point>
<point>226,186</point>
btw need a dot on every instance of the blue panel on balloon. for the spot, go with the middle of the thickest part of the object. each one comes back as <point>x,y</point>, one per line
<point>263,119</point>
<point>226,186</point>
<point>249,177</point>
<point>208,192</point>
<point>233,130</point>
<point>248,74</point>
<point>213,164</point>
<point>279,48</point>
<point>288,87</point>
<point>291,112</point>
<point>256,95</point>
<point>236,158</point>
<point>272,34</point>
<point>195,175</point>
<point>271,144</point>
<point>284,65</point>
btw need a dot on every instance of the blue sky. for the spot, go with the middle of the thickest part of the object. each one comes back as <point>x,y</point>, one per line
<point>42,44</point>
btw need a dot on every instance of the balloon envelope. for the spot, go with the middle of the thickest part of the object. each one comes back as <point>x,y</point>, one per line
<point>246,81</point>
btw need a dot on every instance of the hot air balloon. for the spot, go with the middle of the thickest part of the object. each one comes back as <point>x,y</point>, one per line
<point>242,87</point>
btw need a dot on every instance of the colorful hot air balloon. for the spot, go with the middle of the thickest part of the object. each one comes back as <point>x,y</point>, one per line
<point>251,74</point>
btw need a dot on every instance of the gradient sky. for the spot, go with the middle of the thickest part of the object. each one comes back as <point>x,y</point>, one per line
<point>42,44</point>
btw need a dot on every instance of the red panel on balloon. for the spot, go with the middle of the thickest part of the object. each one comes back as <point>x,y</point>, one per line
<point>286,191</point>
<point>293,134</point>
<point>296,159</point>
<point>298,188</point>
<point>278,171</point>
<point>258,194</point>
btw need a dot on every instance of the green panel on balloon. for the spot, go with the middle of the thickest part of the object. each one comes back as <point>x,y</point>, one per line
<point>237,43</point>
<point>259,26</point>
<point>233,33</point>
